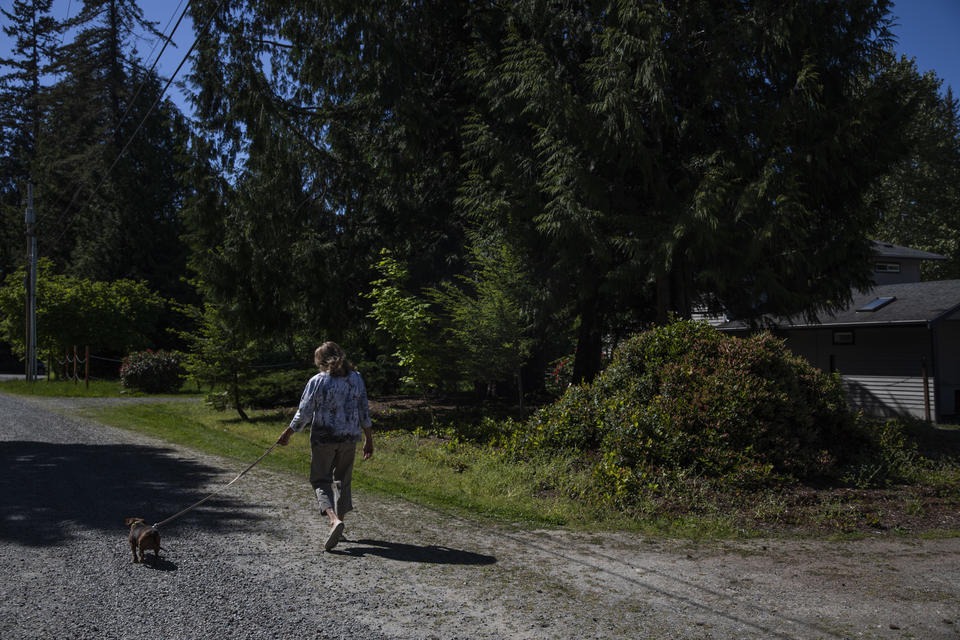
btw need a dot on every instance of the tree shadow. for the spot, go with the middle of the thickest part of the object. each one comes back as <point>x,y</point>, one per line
<point>49,490</point>
<point>936,442</point>
<point>431,554</point>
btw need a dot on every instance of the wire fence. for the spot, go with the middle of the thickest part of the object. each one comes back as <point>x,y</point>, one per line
<point>71,364</point>
<point>76,365</point>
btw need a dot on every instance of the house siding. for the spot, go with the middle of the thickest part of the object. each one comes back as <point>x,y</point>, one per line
<point>948,367</point>
<point>882,371</point>
<point>887,351</point>
<point>889,396</point>
<point>909,272</point>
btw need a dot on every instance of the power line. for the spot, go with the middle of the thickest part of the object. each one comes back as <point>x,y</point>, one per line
<point>167,39</point>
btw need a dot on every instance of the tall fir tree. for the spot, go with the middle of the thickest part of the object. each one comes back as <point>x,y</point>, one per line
<point>646,158</point>
<point>665,155</point>
<point>361,102</point>
<point>111,152</point>
<point>35,35</point>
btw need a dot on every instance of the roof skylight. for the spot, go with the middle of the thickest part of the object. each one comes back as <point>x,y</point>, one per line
<point>877,303</point>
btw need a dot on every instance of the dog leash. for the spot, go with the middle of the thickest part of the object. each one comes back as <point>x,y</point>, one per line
<point>200,502</point>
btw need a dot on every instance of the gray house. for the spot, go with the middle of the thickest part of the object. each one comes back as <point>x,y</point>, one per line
<point>896,347</point>
<point>893,264</point>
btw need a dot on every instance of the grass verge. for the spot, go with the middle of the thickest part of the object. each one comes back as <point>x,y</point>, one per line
<point>78,389</point>
<point>63,388</point>
<point>457,477</point>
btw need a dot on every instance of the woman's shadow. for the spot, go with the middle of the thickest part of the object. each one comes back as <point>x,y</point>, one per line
<point>413,553</point>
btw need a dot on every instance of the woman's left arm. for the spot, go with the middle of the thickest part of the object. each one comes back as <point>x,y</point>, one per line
<point>363,406</point>
<point>367,443</point>
<point>303,415</point>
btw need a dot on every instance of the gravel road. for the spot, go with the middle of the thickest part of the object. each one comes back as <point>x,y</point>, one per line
<point>249,563</point>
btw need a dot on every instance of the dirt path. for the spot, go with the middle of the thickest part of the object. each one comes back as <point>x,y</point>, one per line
<point>248,563</point>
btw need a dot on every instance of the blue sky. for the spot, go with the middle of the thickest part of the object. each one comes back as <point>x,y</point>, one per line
<point>926,30</point>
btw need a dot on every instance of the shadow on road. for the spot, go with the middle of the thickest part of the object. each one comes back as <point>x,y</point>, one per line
<point>414,553</point>
<point>161,564</point>
<point>48,490</point>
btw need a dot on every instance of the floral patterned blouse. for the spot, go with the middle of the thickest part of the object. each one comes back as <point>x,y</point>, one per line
<point>334,407</point>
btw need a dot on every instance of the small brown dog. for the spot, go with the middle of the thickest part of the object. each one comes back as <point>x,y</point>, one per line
<point>143,537</point>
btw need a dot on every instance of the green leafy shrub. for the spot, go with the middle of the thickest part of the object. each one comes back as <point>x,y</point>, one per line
<point>686,401</point>
<point>890,456</point>
<point>152,371</point>
<point>572,423</point>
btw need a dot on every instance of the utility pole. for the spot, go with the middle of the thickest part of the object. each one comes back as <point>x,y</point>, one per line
<point>31,286</point>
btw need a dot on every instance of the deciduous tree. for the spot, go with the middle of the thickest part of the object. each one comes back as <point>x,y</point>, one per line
<point>115,317</point>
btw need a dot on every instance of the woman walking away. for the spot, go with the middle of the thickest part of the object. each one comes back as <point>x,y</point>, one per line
<point>334,406</point>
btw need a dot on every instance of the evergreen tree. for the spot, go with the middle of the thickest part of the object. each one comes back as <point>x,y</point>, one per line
<point>645,157</point>
<point>34,34</point>
<point>110,156</point>
<point>663,155</point>
<point>490,314</point>
<point>359,103</point>
<point>917,202</point>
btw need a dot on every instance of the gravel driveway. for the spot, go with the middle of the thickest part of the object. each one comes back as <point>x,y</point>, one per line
<point>249,564</point>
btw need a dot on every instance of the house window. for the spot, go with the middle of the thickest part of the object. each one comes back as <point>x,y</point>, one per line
<point>887,267</point>
<point>843,337</point>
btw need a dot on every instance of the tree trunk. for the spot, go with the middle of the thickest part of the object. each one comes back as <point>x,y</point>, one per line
<point>673,292</point>
<point>587,361</point>
<point>236,398</point>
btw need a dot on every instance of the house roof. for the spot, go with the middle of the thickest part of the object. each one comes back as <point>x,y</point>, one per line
<point>887,250</point>
<point>894,304</point>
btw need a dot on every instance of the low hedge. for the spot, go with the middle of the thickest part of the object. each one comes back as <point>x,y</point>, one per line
<point>152,371</point>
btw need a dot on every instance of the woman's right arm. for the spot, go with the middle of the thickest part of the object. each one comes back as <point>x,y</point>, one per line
<point>304,413</point>
<point>285,437</point>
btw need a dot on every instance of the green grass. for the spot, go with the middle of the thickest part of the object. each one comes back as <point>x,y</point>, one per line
<point>466,479</point>
<point>196,426</point>
<point>462,478</point>
<point>76,389</point>
<point>61,388</point>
